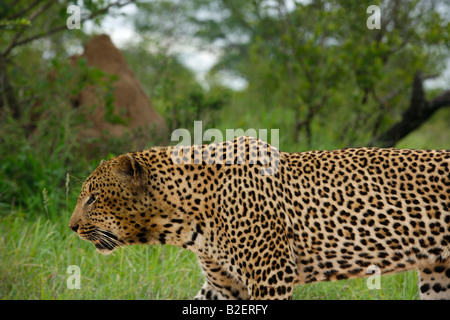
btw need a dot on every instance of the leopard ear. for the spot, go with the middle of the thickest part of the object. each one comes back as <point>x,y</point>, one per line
<point>128,168</point>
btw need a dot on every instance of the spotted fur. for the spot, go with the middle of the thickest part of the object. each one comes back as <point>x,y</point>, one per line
<point>310,216</point>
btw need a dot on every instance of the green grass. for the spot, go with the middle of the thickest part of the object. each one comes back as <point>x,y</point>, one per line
<point>35,255</point>
<point>402,286</point>
<point>433,134</point>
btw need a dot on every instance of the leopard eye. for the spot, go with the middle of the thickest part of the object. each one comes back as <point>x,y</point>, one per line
<point>92,199</point>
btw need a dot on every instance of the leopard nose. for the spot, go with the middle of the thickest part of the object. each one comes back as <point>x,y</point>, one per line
<point>74,227</point>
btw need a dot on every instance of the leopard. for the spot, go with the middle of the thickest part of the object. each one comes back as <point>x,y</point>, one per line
<point>261,221</point>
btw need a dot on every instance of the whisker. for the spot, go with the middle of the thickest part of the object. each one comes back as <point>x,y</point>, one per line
<point>108,235</point>
<point>112,236</point>
<point>114,239</point>
<point>92,240</point>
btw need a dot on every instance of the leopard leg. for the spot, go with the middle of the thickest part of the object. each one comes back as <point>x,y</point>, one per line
<point>434,282</point>
<point>273,292</point>
<point>207,292</point>
<point>210,292</point>
<point>219,284</point>
<point>276,284</point>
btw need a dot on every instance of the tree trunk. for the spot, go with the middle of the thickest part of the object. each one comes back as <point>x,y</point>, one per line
<point>7,95</point>
<point>418,112</point>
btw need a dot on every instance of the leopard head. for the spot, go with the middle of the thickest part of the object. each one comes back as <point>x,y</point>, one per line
<point>113,203</point>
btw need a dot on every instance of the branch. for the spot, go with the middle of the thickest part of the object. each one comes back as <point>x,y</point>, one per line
<point>16,43</point>
<point>442,100</point>
<point>21,13</point>
<point>238,14</point>
<point>418,112</point>
<point>32,16</point>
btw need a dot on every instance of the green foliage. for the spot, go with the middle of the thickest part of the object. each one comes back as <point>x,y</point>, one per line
<point>14,23</point>
<point>320,61</point>
<point>42,146</point>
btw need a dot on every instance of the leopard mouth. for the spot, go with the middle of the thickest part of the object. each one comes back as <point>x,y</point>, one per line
<point>104,241</point>
<point>102,245</point>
